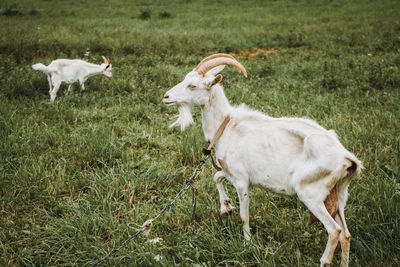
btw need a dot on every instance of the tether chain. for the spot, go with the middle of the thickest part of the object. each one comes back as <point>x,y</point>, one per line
<point>146,227</point>
<point>194,194</point>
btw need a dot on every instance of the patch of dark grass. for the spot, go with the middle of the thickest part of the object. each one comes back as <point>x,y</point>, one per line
<point>144,15</point>
<point>12,12</point>
<point>292,39</point>
<point>331,79</point>
<point>34,12</point>
<point>165,15</point>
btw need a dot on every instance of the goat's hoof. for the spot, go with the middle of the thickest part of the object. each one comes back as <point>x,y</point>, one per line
<point>325,263</point>
<point>248,241</point>
<point>226,210</point>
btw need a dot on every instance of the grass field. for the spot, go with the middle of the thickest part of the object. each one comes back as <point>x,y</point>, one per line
<point>79,176</point>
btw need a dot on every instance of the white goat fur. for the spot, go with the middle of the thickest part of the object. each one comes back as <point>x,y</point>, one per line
<point>291,156</point>
<point>70,71</point>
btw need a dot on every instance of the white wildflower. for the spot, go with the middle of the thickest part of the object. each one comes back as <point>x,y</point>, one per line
<point>157,257</point>
<point>155,240</point>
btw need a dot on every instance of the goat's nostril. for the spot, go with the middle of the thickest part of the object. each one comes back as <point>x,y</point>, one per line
<point>166,96</point>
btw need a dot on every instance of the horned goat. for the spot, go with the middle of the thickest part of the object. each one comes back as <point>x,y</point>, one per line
<point>290,156</point>
<point>70,71</point>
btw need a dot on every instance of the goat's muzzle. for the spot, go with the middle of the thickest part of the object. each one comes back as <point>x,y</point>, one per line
<point>167,102</point>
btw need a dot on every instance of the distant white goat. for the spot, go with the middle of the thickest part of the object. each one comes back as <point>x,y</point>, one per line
<point>70,71</point>
<point>291,156</point>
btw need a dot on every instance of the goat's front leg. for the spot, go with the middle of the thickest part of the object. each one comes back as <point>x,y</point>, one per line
<point>226,207</point>
<point>82,83</point>
<point>243,194</point>
<point>70,87</point>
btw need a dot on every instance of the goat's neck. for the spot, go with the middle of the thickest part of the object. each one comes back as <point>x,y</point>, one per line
<point>215,111</point>
<point>93,69</point>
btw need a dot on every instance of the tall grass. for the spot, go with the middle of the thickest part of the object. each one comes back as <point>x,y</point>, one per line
<point>77,177</point>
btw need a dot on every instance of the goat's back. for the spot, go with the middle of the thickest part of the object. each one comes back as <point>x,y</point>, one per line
<point>278,152</point>
<point>69,70</point>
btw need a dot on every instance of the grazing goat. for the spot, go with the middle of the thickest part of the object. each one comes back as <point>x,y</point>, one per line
<point>70,71</point>
<point>291,156</point>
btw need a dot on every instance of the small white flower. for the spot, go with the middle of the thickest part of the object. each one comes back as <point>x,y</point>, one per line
<point>155,240</point>
<point>370,55</point>
<point>145,135</point>
<point>157,257</point>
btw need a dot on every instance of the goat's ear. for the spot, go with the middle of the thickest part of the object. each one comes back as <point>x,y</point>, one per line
<point>216,80</point>
<point>216,70</point>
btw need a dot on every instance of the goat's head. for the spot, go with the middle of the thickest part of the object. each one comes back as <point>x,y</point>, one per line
<point>195,88</point>
<point>106,66</point>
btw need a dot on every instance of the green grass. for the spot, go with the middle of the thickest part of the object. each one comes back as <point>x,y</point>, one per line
<point>79,176</point>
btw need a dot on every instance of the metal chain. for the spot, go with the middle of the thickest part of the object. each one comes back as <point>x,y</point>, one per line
<point>145,228</point>
<point>194,202</point>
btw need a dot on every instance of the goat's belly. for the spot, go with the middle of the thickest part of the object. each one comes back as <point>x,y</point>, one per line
<point>70,80</point>
<point>279,185</point>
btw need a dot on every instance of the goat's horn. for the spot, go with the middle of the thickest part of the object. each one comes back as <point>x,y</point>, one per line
<point>106,61</point>
<point>216,60</point>
<point>214,56</point>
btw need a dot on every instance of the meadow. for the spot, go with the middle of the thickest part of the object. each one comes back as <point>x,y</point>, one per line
<point>80,175</point>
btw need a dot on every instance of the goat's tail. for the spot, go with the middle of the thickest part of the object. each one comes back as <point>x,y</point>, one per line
<point>354,166</point>
<point>40,66</point>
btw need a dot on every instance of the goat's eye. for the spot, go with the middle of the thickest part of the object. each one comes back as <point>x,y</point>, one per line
<point>191,87</point>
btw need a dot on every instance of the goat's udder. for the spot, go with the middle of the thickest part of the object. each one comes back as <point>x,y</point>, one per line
<point>331,204</point>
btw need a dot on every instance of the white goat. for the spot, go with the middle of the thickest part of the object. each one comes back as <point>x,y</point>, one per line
<point>291,156</point>
<point>70,71</point>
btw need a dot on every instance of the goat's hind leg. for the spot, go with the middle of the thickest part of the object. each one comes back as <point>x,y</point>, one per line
<point>226,207</point>
<point>53,93</point>
<point>345,236</point>
<point>318,208</point>
<point>50,84</point>
<point>344,239</point>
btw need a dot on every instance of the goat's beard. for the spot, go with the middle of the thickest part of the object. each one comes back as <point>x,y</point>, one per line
<point>185,117</point>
